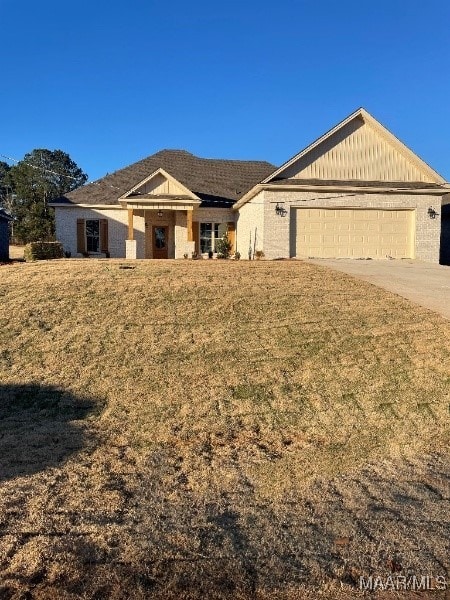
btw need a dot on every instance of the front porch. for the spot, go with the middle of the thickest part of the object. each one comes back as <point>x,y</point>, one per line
<point>160,233</point>
<point>165,220</point>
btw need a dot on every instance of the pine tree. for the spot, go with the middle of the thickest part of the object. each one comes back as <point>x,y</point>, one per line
<point>42,176</point>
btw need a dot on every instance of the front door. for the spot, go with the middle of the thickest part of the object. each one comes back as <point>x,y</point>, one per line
<point>160,242</point>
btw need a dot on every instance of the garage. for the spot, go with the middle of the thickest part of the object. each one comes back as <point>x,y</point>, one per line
<point>354,233</point>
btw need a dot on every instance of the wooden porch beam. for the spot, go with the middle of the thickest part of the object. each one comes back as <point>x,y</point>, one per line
<point>190,232</point>
<point>130,224</point>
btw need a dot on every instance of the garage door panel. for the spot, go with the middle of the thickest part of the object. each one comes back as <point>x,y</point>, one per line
<point>343,240</point>
<point>343,226</point>
<point>360,226</point>
<point>355,233</point>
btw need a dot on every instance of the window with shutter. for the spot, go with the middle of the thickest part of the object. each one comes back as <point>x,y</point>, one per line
<point>104,236</point>
<point>81,236</point>
<point>196,236</point>
<point>232,235</point>
<point>93,235</point>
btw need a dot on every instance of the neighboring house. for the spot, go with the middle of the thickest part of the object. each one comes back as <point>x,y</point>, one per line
<point>355,192</point>
<point>4,235</point>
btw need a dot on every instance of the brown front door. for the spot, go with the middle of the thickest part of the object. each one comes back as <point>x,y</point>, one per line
<point>160,241</point>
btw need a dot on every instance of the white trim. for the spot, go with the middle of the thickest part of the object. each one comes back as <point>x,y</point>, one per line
<point>308,187</point>
<point>356,189</point>
<point>93,206</point>
<point>249,195</point>
<point>160,204</point>
<point>351,207</point>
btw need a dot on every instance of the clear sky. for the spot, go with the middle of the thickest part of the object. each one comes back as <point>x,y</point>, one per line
<point>113,82</point>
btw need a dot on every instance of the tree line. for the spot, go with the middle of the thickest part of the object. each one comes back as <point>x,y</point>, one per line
<point>27,188</point>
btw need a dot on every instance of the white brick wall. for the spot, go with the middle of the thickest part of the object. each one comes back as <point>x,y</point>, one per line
<point>279,232</point>
<point>182,246</point>
<point>250,222</point>
<point>66,227</point>
<point>275,235</point>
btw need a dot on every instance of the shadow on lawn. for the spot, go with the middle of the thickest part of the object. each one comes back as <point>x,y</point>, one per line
<point>40,427</point>
<point>169,540</point>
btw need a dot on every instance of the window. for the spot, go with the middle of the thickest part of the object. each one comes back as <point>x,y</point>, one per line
<point>209,234</point>
<point>93,235</point>
<point>205,237</point>
<point>160,237</point>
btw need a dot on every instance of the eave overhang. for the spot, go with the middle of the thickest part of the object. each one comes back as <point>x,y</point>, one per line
<point>439,190</point>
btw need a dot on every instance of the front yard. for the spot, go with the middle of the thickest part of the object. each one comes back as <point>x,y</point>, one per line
<point>216,429</point>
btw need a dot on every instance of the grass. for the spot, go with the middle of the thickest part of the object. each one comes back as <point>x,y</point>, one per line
<point>216,429</point>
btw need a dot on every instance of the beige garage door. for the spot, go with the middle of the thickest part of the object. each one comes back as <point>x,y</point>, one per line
<point>355,233</point>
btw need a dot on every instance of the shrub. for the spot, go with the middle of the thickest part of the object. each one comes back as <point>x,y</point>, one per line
<point>224,246</point>
<point>43,251</point>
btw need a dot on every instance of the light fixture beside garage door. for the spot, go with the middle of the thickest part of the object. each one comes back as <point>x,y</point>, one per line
<point>280,210</point>
<point>432,213</point>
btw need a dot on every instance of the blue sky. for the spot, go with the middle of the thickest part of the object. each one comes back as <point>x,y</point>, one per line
<point>111,83</point>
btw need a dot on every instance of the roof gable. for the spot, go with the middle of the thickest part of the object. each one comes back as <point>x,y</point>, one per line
<point>160,183</point>
<point>359,148</point>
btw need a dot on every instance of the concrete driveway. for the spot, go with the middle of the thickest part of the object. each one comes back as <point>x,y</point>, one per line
<point>424,283</point>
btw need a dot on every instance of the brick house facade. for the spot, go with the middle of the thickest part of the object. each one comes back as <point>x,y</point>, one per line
<point>355,192</point>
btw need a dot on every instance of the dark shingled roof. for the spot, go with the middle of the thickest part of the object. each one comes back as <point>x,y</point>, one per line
<point>215,182</point>
<point>358,183</point>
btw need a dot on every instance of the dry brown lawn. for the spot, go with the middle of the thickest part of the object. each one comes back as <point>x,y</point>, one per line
<point>209,429</point>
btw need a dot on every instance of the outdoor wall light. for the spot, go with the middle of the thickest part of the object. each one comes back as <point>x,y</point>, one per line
<point>432,213</point>
<point>280,210</point>
<point>159,213</point>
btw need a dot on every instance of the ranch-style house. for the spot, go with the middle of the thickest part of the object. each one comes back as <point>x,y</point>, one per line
<point>356,192</point>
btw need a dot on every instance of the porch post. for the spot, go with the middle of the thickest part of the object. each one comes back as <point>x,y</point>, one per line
<point>130,243</point>
<point>190,232</point>
<point>130,224</point>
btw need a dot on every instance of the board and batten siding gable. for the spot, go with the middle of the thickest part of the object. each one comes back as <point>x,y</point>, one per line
<point>357,151</point>
<point>159,184</point>
<point>250,222</point>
